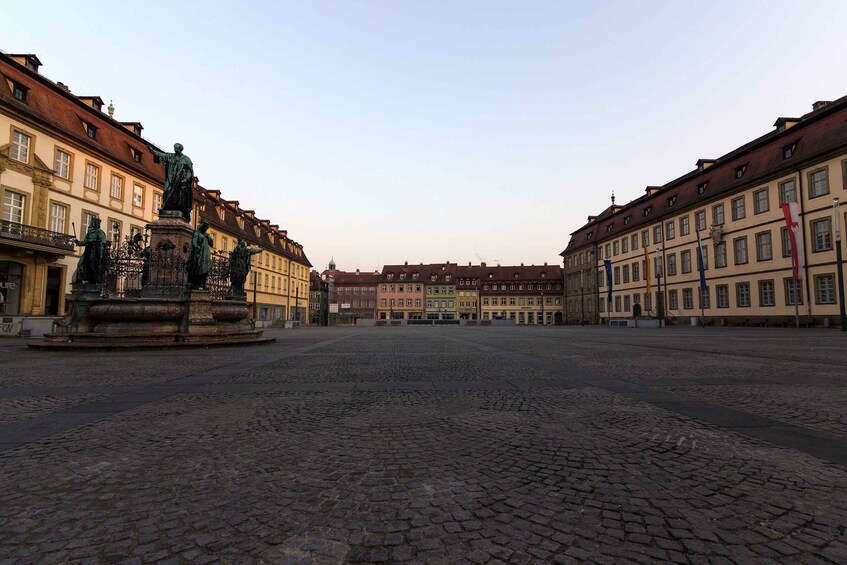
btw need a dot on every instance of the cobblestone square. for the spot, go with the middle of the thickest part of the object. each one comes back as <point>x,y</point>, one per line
<point>431,445</point>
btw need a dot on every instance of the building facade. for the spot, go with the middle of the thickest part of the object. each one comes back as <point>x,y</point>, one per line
<point>529,295</point>
<point>65,161</point>
<point>733,204</point>
<point>318,300</point>
<point>467,292</point>
<point>440,284</point>
<point>400,295</point>
<point>355,295</point>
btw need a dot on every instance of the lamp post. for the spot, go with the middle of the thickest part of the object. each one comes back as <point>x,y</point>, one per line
<point>660,303</point>
<point>839,263</point>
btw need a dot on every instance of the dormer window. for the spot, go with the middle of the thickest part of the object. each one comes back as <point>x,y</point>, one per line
<point>701,188</point>
<point>590,236</point>
<point>672,200</point>
<point>447,277</point>
<point>647,211</point>
<point>414,276</point>
<point>136,155</point>
<point>402,276</point>
<point>490,275</point>
<point>609,228</point>
<point>627,220</point>
<point>739,171</point>
<point>433,277</point>
<point>517,276</point>
<point>543,275</point>
<point>19,91</point>
<point>390,276</point>
<point>91,131</point>
<point>788,151</point>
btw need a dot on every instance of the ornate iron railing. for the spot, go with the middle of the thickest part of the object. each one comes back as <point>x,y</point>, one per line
<point>134,270</point>
<point>32,234</point>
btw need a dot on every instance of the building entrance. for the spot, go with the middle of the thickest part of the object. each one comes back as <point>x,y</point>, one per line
<point>11,277</point>
<point>52,296</point>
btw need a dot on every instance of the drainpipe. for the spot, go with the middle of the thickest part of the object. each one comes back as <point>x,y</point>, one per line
<point>800,193</point>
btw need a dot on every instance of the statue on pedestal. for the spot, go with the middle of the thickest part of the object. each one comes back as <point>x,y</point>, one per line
<point>90,266</point>
<point>179,181</point>
<point>200,257</point>
<point>239,267</point>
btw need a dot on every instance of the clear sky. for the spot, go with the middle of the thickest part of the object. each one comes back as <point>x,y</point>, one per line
<point>383,132</point>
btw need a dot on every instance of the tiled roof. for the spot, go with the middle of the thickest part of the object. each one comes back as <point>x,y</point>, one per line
<point>345,278</point>
<point>816,135</point>
<point>408,270</point>
<point>51,105</point>
<point>521,273</point>
<point>225,215</point>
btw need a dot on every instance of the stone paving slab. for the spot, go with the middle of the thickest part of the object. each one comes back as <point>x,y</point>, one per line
<point>543,457</point>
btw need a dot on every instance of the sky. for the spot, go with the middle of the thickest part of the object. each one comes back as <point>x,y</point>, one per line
<point>384,132</point>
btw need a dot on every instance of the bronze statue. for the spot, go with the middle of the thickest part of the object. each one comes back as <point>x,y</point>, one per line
<point>200,257</point>
<point>91,263</point>
<point>179,181</point>
<point>239,267</point>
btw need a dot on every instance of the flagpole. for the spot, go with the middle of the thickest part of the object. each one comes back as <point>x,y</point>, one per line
<point>839,262</point>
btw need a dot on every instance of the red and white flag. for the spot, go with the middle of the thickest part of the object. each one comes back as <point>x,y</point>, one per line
<point>792,220</point>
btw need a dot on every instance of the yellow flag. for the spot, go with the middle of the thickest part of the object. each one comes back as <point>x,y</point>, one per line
<point>647,269</point>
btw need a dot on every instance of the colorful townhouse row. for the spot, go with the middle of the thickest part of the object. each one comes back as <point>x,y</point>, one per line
<point>526,294</point>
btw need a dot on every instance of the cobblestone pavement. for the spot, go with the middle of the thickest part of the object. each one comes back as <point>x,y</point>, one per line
<point>439,445</point>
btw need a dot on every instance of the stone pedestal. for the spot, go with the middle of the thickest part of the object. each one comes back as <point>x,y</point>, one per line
<point>83,297</point>
<point>200,319</point>
<point>170,242</point>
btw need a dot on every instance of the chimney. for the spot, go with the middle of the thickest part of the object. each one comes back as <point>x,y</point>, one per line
<point>545,263</point>
<point>820,104</point>
<point>521,264</point>
<point>406,263</point>
<point>64,87</point>
<point>469,263</point>
<point>134,127</point>
<point>357,271</point>
<point>482,264</point>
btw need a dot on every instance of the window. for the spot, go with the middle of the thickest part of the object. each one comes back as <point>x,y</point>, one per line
<point>684,227</point>
<point>720,255</point>
<point>157,201</point>
<point>700,220</point>
<point>685,258</point>
<point>742,294</point>
<point>786,242</point>
<point>738,211</point>
<point>761,202</point>
<point>647,211</point>
<point>62,164</point>
<point>671,200</point>
<point>818,183</point>
<point>787,191</point>
<point>91,131</point>
<point>136,155</point>
<point>764,249</point>
<point>626,303</point>
<point>86,221</point>
<point>636,276</point>
<point>626,273</point>
<point>670,230</point>
<point>825,289</point>
<point>609,228</point>
<point>766,293</point>
<point>739,171</point>
<point>138,195</point>
<point>687,299</point>
<point>822,234</point>
<point>739,247</point>
<point>705,254</point>
<point>717,214</point>
<point>645,238</point>
<point>634,241</point>
<point>657,234</point>
<point>19,91</point>
<point>793,291</point>
<point>602,307</point>
<point>788,150</point>
<point>20,146</point>
<point>616,247</point>
<point>608,250</point>
<point>92,176</point>
<point>673,300</point>
<point>624,245</point>
<point>617,304</point>
<point>114,231</point>
<point>13,207</point>
<point>117,186</point>
<point>723,295</point>
<point>701,188</point>
<point>672,264</point>
<point>705,301</point>
<point>617,272</point>
<point>58,217</point>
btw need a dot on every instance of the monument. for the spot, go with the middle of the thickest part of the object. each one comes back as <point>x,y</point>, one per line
<point>170,292</point>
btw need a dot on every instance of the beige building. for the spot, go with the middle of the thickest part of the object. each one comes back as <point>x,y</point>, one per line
<point>64,161</point>
<point>733,203</point>
<point>527,294</point>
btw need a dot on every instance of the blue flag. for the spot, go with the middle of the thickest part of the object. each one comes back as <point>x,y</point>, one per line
<point>608,265</point>
<point>701,264</point>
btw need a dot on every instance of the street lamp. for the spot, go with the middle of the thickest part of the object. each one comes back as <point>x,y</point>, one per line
<point>839,263</point>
